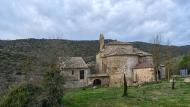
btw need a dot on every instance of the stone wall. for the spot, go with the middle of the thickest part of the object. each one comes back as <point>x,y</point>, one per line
<point>98,63</point>
<point>149,59</point>
<point>129,47</point>
<point>117,66</point>
<point>72,80</point>
<point>104,80</point>
<point>143,75</point>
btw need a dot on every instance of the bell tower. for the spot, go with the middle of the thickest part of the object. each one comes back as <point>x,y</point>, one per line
<point>101,41</point>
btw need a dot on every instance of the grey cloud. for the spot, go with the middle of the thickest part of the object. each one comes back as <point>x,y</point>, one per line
<point>128,20</point>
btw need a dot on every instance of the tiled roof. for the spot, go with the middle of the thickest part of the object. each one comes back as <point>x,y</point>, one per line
<point>73,62</point>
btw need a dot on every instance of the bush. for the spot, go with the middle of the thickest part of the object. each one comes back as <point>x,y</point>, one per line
<point>53,87</point>
<point>18,96</point>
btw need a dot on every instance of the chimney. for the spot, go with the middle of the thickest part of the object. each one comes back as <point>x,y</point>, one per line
<point>101,41</point>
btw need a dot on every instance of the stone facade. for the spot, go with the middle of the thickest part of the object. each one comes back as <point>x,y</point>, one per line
<point>118,58</point>
<point>98,79</point>
<point>143,75</point>
<point>75,72</point>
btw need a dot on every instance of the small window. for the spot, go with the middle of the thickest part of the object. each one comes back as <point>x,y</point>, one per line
<point>72,72</point>
<point>82,74</point>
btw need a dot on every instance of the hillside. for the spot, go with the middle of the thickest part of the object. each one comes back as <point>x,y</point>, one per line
<point>10,68</point>
<point>14,55</point>
<point>86,49</point>
<point>175,50</point>
<point>44,47</point>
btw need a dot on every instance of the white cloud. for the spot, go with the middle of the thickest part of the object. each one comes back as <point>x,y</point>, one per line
<point>129,20</point>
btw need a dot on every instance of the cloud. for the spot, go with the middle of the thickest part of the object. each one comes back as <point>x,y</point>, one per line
<point>127,20</point>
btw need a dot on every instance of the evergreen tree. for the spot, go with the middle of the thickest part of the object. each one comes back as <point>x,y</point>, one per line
<point>125,87</point>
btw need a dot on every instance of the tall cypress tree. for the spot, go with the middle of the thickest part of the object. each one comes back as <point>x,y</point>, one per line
<point>125,87</point>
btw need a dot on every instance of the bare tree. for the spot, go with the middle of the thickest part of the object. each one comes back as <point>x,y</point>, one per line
<point>168,60</point>
<point>156,54</point>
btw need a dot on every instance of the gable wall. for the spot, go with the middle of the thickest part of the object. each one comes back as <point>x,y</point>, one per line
<point>144,75</point>
<point>74,81</point>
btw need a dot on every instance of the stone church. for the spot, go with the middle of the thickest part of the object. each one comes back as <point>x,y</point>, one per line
<point>118,58</point>
<point>113,60</point>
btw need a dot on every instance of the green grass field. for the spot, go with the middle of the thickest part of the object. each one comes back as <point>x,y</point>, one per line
<point>152,95</point>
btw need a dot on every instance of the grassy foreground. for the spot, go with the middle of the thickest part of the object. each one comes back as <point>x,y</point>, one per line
<point>152,95</point>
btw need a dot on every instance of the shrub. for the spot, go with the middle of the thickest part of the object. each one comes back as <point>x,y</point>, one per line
<point>18,96</point>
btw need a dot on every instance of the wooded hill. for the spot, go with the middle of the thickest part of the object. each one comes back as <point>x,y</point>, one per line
<point>86,49</point>
<point>15,53</point>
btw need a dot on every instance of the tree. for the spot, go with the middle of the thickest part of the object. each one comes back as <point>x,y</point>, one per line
<point>53,87</point>
<point>125,87</point>
<point>185,63</point>
<point>156,54</point>
<point>168,61</point>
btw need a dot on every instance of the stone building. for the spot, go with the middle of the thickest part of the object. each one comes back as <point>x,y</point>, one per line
<point>75,72</point>
<point>113,60</point>
<point>143,72</point>
<point>118,58</point>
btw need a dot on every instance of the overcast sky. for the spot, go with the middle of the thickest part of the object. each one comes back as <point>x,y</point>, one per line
<point>126,20</point>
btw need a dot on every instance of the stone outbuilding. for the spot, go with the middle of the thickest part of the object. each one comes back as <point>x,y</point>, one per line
<point>143,72</point>
<point>75,72</point>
